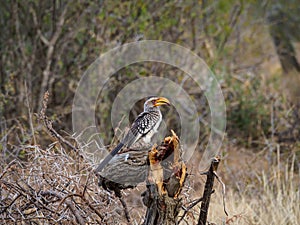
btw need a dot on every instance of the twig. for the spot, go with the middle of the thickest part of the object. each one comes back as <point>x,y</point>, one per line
<point>10,204</point>
<point>29,114</point>
<point>127,215</point>
<point>78,217</point>
<point>236,12</point>
<point>93,208</point>
<point>86,184</point>
<point>187,209</point>
<point>33,199</point>
<point>64,199</point>
<point>223,191</point>
<point>7,167</point>
<point>48,124</point>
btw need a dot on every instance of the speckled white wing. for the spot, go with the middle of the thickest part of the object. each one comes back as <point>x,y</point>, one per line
<point>142,125</point>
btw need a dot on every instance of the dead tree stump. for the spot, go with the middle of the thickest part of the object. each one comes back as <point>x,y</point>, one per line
<point>166,176</point>
<point>164,171</point>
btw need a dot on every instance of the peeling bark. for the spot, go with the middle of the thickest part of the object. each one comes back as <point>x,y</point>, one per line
<point>166,178</point>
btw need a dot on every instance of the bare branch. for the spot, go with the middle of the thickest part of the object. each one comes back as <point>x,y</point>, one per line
<point>127,215</point>
<point>69,203</point>
<point>223,191</point>
<point>48,124</point>
<point>208,189</point>
<point>50,51</point>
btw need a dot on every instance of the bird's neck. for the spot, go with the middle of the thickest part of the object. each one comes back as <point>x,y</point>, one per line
<point>154,109</point>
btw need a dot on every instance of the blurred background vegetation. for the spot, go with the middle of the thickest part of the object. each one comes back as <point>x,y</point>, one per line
<point>252,47</point>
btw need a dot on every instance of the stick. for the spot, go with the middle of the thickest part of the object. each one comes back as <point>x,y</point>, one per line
<point>208,191</point>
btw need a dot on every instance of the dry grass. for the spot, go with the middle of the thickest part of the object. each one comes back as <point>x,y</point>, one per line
<point>264,196</point>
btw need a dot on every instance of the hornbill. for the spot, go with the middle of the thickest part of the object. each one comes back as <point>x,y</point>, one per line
<point>143,127</point>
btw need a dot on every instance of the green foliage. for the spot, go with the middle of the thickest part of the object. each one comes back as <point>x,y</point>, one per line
<point>289,16</point>
<point>226,34</point>
<point>248,110</point>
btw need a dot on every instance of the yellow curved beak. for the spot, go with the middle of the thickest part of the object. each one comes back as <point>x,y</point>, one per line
<point>161,101</point>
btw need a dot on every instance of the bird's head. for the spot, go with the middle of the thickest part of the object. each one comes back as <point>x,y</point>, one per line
<point>154,102</point>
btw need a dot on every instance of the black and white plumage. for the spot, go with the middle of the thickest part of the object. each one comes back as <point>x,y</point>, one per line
<point>143,127</point>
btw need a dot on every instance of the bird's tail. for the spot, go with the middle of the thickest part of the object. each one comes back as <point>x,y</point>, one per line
<point>107,159</point>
